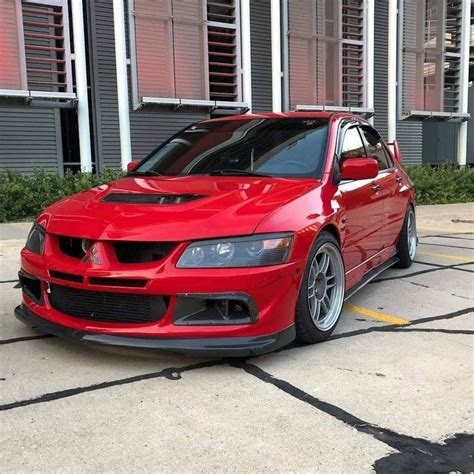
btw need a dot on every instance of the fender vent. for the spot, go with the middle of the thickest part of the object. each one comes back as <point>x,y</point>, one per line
<point>138,198</point>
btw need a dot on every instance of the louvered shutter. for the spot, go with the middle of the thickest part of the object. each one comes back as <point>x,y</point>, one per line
<point>223,50</point>
<point>431,56</point>
<point>326,53</point>
<point>353,53</point>
<point>47,46</point>
<point>434,49</point>
<point>10,44</point>
<point>154,48</point>
<point>190,49</point>
<point>452,68</point>
<point>413,56</point>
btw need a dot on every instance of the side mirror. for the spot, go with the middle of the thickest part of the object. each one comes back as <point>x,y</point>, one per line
<point>397,156</point>
<point>132,166</point>
<point>359,168</point>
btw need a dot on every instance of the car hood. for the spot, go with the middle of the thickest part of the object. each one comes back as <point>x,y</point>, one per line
<point>217,207</point>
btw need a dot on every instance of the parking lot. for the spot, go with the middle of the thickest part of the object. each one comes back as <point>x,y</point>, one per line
<point>391,390</point>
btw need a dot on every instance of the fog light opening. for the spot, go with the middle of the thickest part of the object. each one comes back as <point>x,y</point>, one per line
<point>214,310</point>
<point>31,287</point>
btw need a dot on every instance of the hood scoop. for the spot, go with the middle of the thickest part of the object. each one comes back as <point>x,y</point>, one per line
<point>141,198</point>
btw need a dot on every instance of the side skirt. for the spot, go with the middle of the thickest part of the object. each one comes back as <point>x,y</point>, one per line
<point>368,277</point>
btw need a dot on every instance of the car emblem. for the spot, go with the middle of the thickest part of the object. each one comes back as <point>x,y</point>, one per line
<point>86,244</point>
<point>91,255</point>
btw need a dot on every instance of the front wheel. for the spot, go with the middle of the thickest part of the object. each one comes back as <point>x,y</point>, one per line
<point>408,240</point>
<point>322,290</point>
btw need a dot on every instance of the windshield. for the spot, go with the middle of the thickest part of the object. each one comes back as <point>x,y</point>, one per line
<point>290,147</point>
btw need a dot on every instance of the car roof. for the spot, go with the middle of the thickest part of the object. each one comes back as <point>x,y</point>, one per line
<point>285,115</point>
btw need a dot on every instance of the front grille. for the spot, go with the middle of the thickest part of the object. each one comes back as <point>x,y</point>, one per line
<point>71,246</point>
<point>142,252</point>
<point>107,281</point>
<point>126,252</point>
<point>66,276</point>
<point>108,307</point>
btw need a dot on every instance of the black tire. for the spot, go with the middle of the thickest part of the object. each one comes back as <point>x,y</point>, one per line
<point>405,259</point>
<point>306,330</point>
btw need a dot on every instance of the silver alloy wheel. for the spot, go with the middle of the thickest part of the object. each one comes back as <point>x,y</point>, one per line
<point>411,238</point>
<point>326,287</point>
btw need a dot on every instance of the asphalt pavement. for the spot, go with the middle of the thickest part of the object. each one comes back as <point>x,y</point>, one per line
<point>391,391</point>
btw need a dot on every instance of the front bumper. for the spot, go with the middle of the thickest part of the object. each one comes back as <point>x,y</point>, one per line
<point>209,347</point>
<point>156,312</point>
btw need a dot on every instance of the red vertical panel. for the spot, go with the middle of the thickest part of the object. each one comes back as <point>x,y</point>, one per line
<point>190,51</point>
<point>10,65</point>
<point>429,76</point>
<point>434,55</point>
<point>154,48</point>
<point>326,52</point>
<point>302,49</point>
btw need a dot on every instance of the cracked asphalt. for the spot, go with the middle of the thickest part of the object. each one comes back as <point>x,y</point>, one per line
<point>391,391</point>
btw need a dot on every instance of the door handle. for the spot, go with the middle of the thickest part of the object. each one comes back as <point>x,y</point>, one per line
<point>376,187</point>
<point>398,179</point>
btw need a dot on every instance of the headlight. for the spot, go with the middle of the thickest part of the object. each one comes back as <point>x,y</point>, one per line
<point>253,251</point>
<point>35,240</point>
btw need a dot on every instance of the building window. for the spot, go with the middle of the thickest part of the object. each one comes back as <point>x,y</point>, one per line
<point>188,50</point>
<point>431,56</point>
<point>326,53</point>
<point>35,49</point>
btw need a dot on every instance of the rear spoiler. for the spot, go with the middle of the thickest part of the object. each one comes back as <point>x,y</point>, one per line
<point>395,151</point>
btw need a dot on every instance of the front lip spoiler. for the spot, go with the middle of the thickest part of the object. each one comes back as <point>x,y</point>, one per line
<point>213,347</point>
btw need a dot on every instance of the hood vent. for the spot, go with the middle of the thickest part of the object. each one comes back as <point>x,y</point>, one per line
<point>139,198</point>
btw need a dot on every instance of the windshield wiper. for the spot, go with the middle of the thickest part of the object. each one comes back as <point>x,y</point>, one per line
<point>231,172</point>
<point>144,173</point>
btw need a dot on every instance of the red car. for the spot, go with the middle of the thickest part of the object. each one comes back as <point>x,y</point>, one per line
<point>233,238</point>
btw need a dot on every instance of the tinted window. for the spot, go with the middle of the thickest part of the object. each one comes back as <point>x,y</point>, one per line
<point>352,146</point>
<point>290,147</point>
<point>375,148</point>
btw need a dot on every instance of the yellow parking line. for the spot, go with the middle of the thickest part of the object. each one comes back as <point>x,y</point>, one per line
<point>444,229</point>
<point>376,315</point>
<point>445,255</point>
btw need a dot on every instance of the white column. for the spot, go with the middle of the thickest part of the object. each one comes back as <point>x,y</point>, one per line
<point>81,86</point>
<point>370,56</point>
<point>276,55</point>
<point>392,72</point>
<point>246,53</point>
<point>464,82</point>
<point>122,84</point>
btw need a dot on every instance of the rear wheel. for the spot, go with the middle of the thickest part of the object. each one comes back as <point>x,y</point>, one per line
<point>321,296</point>
<point>408,240</point>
